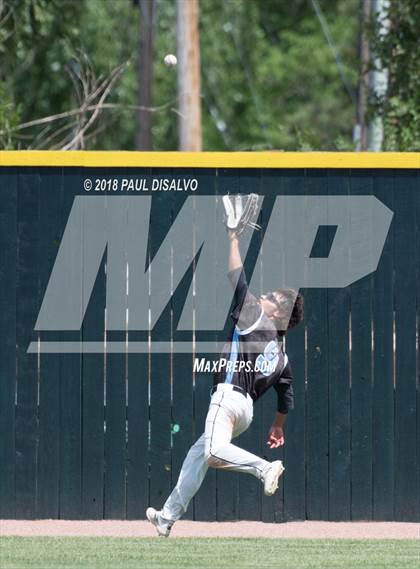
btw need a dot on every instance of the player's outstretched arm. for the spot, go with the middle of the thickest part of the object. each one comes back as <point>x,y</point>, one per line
<point>235,261</point>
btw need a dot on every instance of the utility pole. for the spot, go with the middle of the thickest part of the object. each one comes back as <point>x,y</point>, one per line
<point>188,52</point>
<point>145,76</point>
<point>379,76</point>
<point>360,137</point>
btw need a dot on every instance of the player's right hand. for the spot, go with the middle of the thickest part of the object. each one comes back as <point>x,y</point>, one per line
<point>275,437</point>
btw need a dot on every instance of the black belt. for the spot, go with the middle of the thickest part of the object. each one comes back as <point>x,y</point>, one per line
<point>234,388</point>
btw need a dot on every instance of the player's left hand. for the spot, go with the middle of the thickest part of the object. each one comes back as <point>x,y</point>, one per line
<point>275,437</point>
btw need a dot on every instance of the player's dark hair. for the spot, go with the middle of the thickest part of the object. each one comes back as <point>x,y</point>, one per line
<point>288,296</point>
<point>297,312</point>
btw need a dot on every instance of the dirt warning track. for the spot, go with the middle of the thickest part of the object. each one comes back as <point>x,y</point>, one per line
<point>243,529</point>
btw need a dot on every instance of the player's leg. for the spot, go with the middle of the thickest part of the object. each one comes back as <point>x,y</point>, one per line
<point>229,415</point>
<point>192,474</point>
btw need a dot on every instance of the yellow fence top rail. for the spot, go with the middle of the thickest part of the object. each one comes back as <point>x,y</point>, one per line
<point>127,159</point>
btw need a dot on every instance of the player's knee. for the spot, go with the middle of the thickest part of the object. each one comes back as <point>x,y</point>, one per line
<point>213,462</point>
<point>211,458</point>
<point>207,455</point>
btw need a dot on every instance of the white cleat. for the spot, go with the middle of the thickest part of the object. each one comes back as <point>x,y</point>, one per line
<point>271,477</point>
<point>163,528</point>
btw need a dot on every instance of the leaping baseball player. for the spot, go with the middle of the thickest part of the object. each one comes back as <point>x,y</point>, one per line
<point>256,361</point>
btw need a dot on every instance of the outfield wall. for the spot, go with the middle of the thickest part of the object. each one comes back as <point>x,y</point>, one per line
<point>102,433</point>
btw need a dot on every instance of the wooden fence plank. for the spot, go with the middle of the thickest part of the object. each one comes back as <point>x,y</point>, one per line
<point>383,362</point>
<point>160,394</point>
<point>71,372</point>
<point>339,384</point>
<point>406,483</point>
<point>361,183</point>
<point>115,437</point>
<point>48,463</point>
<point>138,444</point>
<point>138,436</point>
<point>8,265</point>
<point>93,330</point>
<point>317,412</point>
<point>26,430</point>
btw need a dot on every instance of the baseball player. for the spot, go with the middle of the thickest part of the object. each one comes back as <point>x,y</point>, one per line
<point>255,362</point>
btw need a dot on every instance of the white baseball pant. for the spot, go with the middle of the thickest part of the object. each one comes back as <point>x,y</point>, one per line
<point>229,415</point>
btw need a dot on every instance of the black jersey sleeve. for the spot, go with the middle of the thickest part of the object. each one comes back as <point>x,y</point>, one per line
<point>285,399</point>
<point>238,281</point>
<point>246,309</point>
<point>284,389</point>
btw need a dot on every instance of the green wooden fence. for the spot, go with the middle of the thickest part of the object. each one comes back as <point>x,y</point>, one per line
<point>91,436</point>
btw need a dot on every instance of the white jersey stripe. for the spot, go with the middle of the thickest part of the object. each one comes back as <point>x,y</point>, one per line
<point>252,327</point>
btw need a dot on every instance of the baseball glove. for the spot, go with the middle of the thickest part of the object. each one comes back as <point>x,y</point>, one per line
<point>240,215</point>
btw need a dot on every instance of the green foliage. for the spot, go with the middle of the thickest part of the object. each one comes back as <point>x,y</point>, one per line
<point>399,52</point>
<point>269,79</point>
<point>109,35</point>
<point>9,119</point>
<point>165,122</point>
<point>44,44</point>
<point>36,43</point>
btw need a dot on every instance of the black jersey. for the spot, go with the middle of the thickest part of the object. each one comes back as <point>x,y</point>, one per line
<point>254,355</point>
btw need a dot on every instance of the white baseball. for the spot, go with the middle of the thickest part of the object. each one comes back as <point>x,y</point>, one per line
<point>170,60</point>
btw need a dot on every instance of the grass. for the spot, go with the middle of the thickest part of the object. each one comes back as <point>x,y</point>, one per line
<point>205,553</point>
